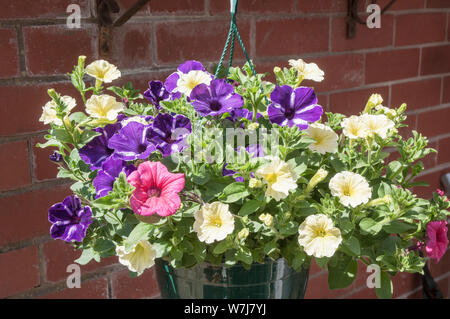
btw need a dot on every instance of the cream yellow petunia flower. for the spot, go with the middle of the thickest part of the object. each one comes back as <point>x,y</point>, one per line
<point>213,222</point>
<point>103,71</point>
<point>139,258</point>
<point>318,236</point>
<point>309,71</point>
<point>377,124</point>
<point>190,80</point>
<point>351,188</point>
<point>279,177</point>
<point>49,113</point>
<point>103,107</point>
<point>326,138</point>
<point>267,219</point>
<point>353,127</point>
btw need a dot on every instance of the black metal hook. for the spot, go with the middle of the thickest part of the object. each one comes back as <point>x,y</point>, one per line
<point>353,18</point>
<point>106,7</point>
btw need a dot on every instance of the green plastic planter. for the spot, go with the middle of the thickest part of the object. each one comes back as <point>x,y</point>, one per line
<point>271,280</point>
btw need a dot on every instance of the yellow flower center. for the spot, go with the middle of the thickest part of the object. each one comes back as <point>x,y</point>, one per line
<point>271,178</point>
<point>320,232</point>
<point>215,221</point>
<point>347,190</point>
<point>191,83</point>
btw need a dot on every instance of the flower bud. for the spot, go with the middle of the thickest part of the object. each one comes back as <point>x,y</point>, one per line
<point>254,183</point>
<point>56,157</point>
<point>320,175</point>
<point>380,201</point>
<point>267,219</point>
<point>243,234</point>
<point>253,126</point>
<point>374,100</point>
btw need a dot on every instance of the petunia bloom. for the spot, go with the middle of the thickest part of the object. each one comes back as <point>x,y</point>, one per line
<point>111,168</point>
<point>97,150</point>
<point>377,124</point>
<point>156,93</point>
<point>213,222</point>
<point>56,157</point>
<point>294,107</point>
<point>139,258</point>
<point>437,239</point>
<point>70,220</point>
<point>351,188</point>
<point>318,236</point>
<point>354,127</point>
<point>326,140</point>
<point>308,71</point>
<point>103,71</point>
<point>156,190</point>
<point>131,142</point>
<point>49,110</point>
<point>169,132</point>
<point>103,107</point>
<point>188,76</point>
<point>216,98</point>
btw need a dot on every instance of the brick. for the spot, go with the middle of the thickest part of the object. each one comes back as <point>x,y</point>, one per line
<point>14,165</point>
<point>353,102</point>
<point>22,106</point>
<point>43,167</point>
<point>9,62</point>
<point>288,36</point>
<point>25,216</point>
<point>435,60</point>
<point>446,90</point>
<point>433,179</point>
<point>411,122</point>
<point>443,155</point>
<point>365,38</point>
<point>199,40</point>
<point>132,47</point>
<point>19,271</point>
<point>438,4</point>
<point>410,28</point>
<point>404,282</point>
<point>391,65</point>
<point>125,287</point>
<point>433,123</point>
<point>55,49</point>
<point>430,160</point>
<point>93,289</point>
<point>416,295</point>
<point>418,94</point>
<point>162,7</point>
<point>363,293</point>
<point>40,8</point>
<point>319,6</point>
<point>341,72</point>
<point>403,4</point>
<point>253,6</point>
<point>58,255</point>
<point>440,268</point>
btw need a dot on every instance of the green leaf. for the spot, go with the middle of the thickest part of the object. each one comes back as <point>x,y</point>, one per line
<point>298,260</point>
<point>343,275</point>
<point>86,256</point>
<point>221,247</point>
<point>234,192</point>
<point>78,117</point>
<point>61,135</point>
<point>288,229</point>
<point>141,231</point>
<point>87,136</point>
<point>249,207</point>
<point>351,247</point>
<point>396,227</point>
<point>162,248</point>
<point>370,226</point>
<point>386,289</point>
<point>270,248</point>
<point>245,256</point>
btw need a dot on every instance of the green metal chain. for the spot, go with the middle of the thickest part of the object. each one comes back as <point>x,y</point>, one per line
<point>232,33</point>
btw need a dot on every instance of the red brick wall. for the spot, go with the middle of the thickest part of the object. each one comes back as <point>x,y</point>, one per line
<point>407,60</point>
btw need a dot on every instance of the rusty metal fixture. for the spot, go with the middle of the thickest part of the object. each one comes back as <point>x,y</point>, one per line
<point>106,23</point>
<point>353,18</point>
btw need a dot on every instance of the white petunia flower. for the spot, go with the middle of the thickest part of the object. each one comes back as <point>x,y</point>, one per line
<point>309,71</point>
<point>138,119</point>
<point>103,71</point>
<point>390,113</point>
<point>190,80</point>
<point>279,177</point>
<point>353,127</point>
<point>377,124</point>
<point>103,107</point>
<point>49,110</point>
<point>326,138</point>
<point>267,219</point>
<point>139,258</point>
<point>213,222</point>
<point>318,236</point>
<point>375,99</point>
<point>351,188</point>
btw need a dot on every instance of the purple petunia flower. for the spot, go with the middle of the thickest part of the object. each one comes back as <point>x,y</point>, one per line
<point>188,75</point>
<point>294,107</point>
<point>169,132</point>
<point>97,151</point>
<point>241,113</point>
<point>131,142</point>
<point>56,157</point>
<point>156,93</point>
<point>111,169</point>
<point>215,99</point>
<point>70,220</point>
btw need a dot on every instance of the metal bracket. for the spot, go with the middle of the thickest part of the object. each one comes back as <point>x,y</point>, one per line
<point>353,18</point>
<point>106,23</point>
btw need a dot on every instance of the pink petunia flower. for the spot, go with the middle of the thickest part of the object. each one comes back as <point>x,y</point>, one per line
<point>437,239</point>
<point>156,190</point>
<point>440,192</point>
